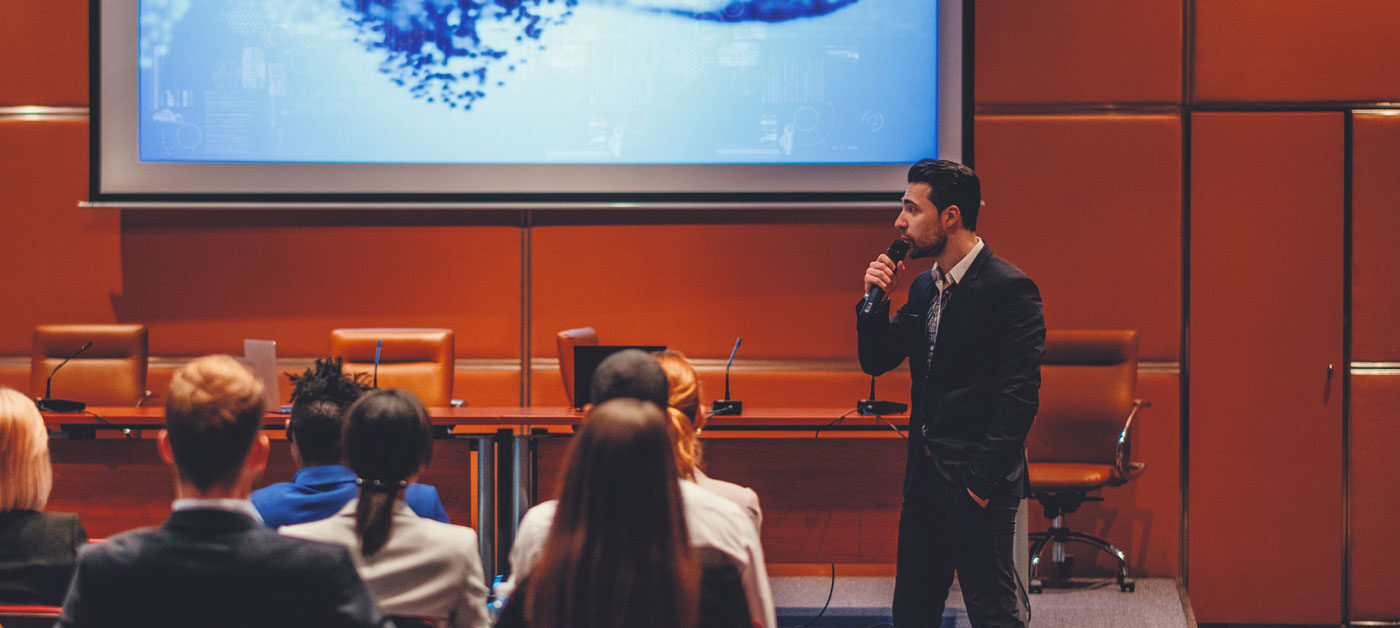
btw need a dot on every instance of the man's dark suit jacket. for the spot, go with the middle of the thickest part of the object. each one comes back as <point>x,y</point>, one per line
<point>37,552</point>
<point>219,569</point>
<point>973,409</point>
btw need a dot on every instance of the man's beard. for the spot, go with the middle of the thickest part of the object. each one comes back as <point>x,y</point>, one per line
<point>932,250</point>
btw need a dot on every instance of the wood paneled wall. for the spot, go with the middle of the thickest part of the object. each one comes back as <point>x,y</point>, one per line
<point>1087,142</point>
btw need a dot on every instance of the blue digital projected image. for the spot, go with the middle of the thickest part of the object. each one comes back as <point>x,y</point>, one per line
<point>538,81</point>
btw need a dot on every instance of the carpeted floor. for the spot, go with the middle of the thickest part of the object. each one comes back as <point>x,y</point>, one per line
<point>863,602</point>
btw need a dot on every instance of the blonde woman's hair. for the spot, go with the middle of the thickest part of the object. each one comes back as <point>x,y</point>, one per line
<point>683,410</point>
<point>26,474</point>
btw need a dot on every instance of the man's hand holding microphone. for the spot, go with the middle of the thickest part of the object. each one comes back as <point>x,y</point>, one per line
<point>882,276</point>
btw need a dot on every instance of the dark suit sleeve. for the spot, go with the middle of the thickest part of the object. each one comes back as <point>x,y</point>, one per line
<point>1020,344</point>
<point>74,611</point>
<point>878,341</point>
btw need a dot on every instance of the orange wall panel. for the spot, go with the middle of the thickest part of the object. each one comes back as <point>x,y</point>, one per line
<point>1266,320</point>
<point>1375,446</point>
<point>788,289</point>
<point>203,283</point>
<point>1078,51</point>
<point>44,53</point>
<point>1308,50</point>
<point>1090,207</point>
<point>62,263</point>
<point>1375,283</point>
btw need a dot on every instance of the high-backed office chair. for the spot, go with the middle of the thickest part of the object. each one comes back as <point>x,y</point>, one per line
<point>112,372</point>
<point>566,341</point>
<point>418,360</point>
<point>1080,441</point>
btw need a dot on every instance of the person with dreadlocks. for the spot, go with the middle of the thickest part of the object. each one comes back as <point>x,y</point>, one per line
<point>315,431</point>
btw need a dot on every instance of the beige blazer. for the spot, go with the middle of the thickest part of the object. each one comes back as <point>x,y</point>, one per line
<point>741,495</point>
<point>427,568</point>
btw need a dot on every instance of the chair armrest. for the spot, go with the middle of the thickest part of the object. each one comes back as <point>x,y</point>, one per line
<point>1123,463</point>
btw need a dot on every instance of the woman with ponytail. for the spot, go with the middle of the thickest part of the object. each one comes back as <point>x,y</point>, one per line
<point>414,566</point>
<point>686,422</point>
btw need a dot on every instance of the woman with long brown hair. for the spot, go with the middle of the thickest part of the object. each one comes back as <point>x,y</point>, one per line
<point>687,421</point>
<point>617,554</point>
<point>414,566</point>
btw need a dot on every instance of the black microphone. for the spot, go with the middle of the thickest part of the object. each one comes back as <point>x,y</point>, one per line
<point>898,249</point>
<point>873,406</point>
<point>48,403</point>
<point>728,406</point>
<point>378,344</point>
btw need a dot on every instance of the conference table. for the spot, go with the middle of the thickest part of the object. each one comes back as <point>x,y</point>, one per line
<point>507,440</point>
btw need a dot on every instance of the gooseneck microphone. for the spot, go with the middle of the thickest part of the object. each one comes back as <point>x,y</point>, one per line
<point>48,403</point>
<point>378,344</point>
<point>876,407</point>
<point>727,406</point>
<point>898,249</point>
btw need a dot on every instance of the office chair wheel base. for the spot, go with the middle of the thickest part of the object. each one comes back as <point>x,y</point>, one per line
<point>1036,586</point>
<point>1127,585</point>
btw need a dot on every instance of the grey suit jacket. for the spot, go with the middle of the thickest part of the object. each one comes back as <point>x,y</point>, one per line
<point>427,568</point>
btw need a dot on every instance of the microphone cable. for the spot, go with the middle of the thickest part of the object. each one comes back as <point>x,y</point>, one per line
<point>839,419</point>
<point>829,593</point>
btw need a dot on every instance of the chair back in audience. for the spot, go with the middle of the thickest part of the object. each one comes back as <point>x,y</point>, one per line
<point>112,372</point>
<point>420,360</point>
<point>29,615</point>
<point>566,341</point>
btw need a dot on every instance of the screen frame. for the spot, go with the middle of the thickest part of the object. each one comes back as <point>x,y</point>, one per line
<point>117,177</point>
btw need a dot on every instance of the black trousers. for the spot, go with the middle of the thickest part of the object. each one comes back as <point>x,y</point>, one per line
<point>943,531</point>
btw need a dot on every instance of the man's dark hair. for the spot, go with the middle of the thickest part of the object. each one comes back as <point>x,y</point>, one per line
<point>950,183</point>
<point>212,414</point>
<point>630,373</point>
<point>320,398</point>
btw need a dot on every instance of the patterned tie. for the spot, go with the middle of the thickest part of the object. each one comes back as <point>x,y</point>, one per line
<point>935,312</point>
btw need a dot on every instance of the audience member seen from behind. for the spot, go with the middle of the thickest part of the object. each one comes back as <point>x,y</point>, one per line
<point>322,484</point>
<point>683,408</point>
<point>213,564</point>
<point>618,554</point>
<point>714,523</point>
<point>413,566</point>
<point>37,548</point>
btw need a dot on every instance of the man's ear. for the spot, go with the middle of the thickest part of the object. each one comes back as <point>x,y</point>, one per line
<point>163,446</point>
<point>951,216</point>
<point>257,453</point>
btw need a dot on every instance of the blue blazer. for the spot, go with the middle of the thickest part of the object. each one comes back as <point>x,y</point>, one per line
<point>316,493</point>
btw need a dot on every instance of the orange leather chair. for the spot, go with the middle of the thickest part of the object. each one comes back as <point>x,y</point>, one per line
<point>422,361</point>
<point>112,372</point>
<point>1081,439</point>
<point>566,341</point>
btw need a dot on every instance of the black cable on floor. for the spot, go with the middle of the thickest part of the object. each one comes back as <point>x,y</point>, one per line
<point>828,593</point>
